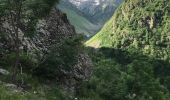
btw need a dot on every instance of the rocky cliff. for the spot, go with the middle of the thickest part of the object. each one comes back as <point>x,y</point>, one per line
<point>51,30</point>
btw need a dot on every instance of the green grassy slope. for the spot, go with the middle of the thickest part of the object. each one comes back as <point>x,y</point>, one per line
<point>41,93</point>
<point>140,24</point>
<point>81,24</point>
<point>102,36</point>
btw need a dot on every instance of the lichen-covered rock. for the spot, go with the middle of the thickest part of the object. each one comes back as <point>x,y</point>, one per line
<point>50,30</point>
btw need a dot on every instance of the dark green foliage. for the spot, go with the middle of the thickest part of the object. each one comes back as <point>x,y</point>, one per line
<point>140,24</point>
<point>139,33</point>
<point>41,8</point>
<point>115,78</point>
<point>26,61</point>
<point>61,58</point>
<point>56,94</point>
<point>42,93</point>
<point>27,12</point>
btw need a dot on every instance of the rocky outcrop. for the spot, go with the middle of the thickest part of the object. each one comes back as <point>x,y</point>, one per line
<point>82,71</point>
<point>50,30</point>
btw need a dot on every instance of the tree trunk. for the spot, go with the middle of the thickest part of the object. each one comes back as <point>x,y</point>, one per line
<point>17,54</point>
<point>16,63</point>
<point>15,24</point>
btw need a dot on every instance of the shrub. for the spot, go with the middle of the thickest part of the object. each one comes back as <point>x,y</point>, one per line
<point>61,59</point>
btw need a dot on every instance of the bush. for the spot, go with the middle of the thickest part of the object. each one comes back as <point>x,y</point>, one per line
<point>61,59</point>
<point>138,79</point>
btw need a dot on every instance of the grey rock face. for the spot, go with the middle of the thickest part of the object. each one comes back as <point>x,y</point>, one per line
<point>83,69</point>
<point>50,30</point>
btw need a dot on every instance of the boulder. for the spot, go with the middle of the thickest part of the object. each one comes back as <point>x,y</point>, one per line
<point>4,72</point>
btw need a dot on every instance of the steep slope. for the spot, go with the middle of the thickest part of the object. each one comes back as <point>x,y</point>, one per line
<point>89,16</point>
<point>81,24</point>
<point>133,56</point>
<point>97,11</point>
<point>53,34</point>
<point>53,28</point>
<point>139,24</point>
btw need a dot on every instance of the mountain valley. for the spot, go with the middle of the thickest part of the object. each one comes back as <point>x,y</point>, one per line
<point>91,15</point>
<point>84,50</point>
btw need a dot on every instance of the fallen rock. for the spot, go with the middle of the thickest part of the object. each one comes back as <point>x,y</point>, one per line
<point>4,72</point>
<point>14,88</point>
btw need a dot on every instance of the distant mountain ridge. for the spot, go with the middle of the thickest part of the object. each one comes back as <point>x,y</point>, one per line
<point>97,11</point>
<point>88,16</point>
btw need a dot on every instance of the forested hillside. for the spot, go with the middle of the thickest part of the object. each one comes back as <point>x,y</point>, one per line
<point>142,25</point>
<point>132,61</point>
